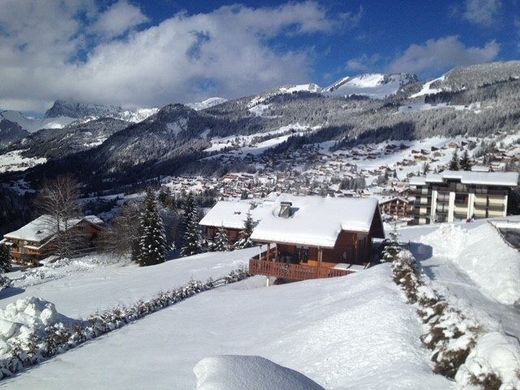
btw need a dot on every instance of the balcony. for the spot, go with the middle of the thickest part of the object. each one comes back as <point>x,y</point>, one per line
<point>294,272</point>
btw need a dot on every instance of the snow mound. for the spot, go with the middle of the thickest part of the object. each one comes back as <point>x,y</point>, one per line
<point>234,372</point>
<point>494,353</point>
<point>482,254</point>
<point>24,318</point>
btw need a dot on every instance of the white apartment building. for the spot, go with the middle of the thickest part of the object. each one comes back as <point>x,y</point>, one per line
<point>460,195</point>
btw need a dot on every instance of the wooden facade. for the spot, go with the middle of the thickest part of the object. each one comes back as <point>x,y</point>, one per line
<point>298,262</point>
<point>29,252</point>
<point>397,208</point>
<point>233,235</point>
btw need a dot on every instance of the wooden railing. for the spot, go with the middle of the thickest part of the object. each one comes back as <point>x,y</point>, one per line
<point>293,271</point>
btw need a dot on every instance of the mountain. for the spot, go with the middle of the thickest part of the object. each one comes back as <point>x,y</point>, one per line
<point>31,124</point>
<point>472,77</point>
<point>208,103</point>
<point>74,138</point>
<point>374,85</point>
<point>471,101</point>
<point>10,132</point>
<point>86,111</point>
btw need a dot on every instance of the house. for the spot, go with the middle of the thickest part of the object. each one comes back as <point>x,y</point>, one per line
<point>396,207</point>
<point>461,195</point>
<point>311,237</point>
<point>231,216</point>
<point>36,240</point>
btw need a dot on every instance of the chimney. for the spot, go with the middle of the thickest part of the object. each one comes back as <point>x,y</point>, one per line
<point>285,209</point>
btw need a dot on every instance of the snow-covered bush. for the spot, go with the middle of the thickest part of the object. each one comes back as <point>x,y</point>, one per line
<point>494,363</point>
<point>405,274</point>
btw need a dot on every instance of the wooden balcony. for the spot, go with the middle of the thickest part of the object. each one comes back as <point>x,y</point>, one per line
<point>293,272</point>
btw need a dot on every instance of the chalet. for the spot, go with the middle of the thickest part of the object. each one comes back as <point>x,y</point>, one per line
<point>36,240</point>
<point>312,237</point>
<point>396,207</point>
<point>231,216</point>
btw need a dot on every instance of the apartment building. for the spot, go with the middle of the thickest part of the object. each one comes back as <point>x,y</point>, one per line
<point>460,195</point>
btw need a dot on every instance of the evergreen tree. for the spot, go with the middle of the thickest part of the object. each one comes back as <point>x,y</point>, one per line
<point>454,163</point>
<point>392,248</point>
<point>192,243</point>
<point>152,242</point>
<point>245,235</point>
<point>465,162</point>
<point>5,258</point>
<point>221,242</point>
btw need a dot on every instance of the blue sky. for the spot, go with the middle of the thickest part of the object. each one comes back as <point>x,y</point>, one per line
<point>150,53</point>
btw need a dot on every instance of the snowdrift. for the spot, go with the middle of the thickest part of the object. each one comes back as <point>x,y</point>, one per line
<point>233,372</point>
<point>483,255</point>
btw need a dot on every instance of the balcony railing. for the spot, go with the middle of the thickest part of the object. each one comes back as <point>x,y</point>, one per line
<point>293,271</point>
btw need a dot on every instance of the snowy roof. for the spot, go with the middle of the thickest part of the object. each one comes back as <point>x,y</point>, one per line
<point>232,214</point>
<point>315,220</point>
<point>42,228</point>
<point>469,177</point>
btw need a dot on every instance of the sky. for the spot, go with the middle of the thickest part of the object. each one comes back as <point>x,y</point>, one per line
<point>152,53</point>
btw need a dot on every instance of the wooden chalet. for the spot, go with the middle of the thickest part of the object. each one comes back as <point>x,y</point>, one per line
<point>36,240</point>
<point>310,237</point>
<point>231,216</point>
<point>397,207</point>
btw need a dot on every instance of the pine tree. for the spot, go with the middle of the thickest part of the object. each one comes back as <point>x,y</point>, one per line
<point>221,242</point>
<point>392,248</point>
<point>465,162</point>
<point>454,163</point>
<point>152,242</point>
<point>192,243</point>
<point>245,235</point>
<point>5,258</point>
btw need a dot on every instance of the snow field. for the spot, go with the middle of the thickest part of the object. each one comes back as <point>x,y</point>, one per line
<point>78,290</point>
<point>497,272</point>
<point>31,330</point>
<point>320,328</point>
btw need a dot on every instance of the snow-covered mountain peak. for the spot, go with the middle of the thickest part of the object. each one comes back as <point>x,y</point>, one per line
<point>373,85</point>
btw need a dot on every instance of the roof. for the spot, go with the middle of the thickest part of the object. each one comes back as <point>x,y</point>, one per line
<point>509,179</point>
<point>316,221</point>
<point>42,228</point>
<point>232,214</point>
<point>383,201</point>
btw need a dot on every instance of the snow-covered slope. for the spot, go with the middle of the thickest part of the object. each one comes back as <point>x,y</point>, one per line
<point>498,275</point>
<point>286,90</point>
<point>352,332</point>
<point>373,85</point>
<point>208,103</point>
<point>238,372</point>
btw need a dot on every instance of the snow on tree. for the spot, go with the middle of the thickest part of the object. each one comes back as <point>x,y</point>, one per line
<point>221,242</point>
<point>465,162</point>
<point>392,248</point>
<point>454,163</point>
<point>245,235</point>
<point>152,242</point>
<point>5,258</point>
<point>192,242</point>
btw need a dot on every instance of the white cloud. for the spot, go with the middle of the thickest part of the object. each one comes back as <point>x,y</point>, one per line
<point>185,58</point>
<point>363,63</point>
<point>482,12</point>
<point>441,54</point>
<point>118,19</point>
